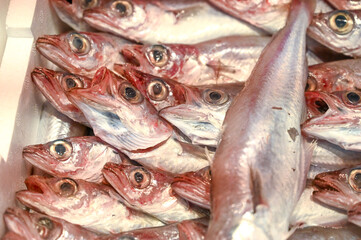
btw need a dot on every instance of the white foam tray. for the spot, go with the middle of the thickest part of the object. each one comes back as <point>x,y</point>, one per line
<point>21,23</point>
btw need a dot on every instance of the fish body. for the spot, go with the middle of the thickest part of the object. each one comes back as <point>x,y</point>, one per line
<point>53,84</point>
<point>268,15</point>
<point>38,226</point>
<point>262,135</point>
<point>170,21</point>
<point>81,53</point>
<point>149,191</point>
<point>119,114</point>
<point>77,157</point>
<point>349,232</point>
<point>346,4</point>
<point>335,117</point>
<point>338,30</point>
<point>93,206</point>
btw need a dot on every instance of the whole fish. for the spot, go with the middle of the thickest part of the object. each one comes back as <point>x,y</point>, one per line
<point>338,30</point>
<point>334,76</point>
<point>221,60</point>
<point>346,4</point>
<point>262,136</point>
<point>349,232</point>
<point>149,191</point>
<point>268,15</point>
<point>119,114</point>
<point>170,21</point>
<point>81,53</point>
<point>335,118</point>
<point>71,12</point>
<point>37,226</point>
<point>53,84</point>
<point>194,187</point>
<point>77,157</point>
<point>340,189</point>
<point>90,205</point>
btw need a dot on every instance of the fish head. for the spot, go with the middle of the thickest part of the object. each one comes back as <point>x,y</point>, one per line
<point>118,16</point>
<point>119,114</point>
<point>71,12</point>
<point>137,185</point>
<point>334,117</point>
<point>167,60</point>
<point>77,52</point>
<point>339,189</point>
<point>160,92</point>
<point>194,187</point>
<point>201,116</point>
<point>338,30</point>
<point>354,214</point>
<point>346,4</point>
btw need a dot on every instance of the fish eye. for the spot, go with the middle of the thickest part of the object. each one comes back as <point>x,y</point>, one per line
<point>66,187</point>
<point>157,90</point>
<point>69,82</point>
<point>89,3</point>
<point>139,178</point>
<point>61,149</point>
<point>158,55</point>
<point>215,97</point>
<point>44,226</point>
<point>124,8</point>
<point>353,98</point>
<point>79,44</point>
<point>355,179</point>
<point>341,22</point>
<point>130,93</point>
<point>311,84</point>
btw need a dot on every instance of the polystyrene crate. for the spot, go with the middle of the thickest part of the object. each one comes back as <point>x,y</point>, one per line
<point>20,102</point>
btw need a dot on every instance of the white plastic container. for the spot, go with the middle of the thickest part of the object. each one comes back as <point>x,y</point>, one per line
<point>21,23</point>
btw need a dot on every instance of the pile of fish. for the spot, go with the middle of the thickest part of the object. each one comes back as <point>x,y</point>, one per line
<point>198,119</point>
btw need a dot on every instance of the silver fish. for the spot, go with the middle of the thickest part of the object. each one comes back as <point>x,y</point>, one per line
<point>349,232</point>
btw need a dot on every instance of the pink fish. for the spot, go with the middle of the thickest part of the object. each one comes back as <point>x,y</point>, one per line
<point>149,191</point>
<point>81,53</point>
<point>90,205</point>
<point>53,85</point>
<point>37,226</point>
<point>346,4</point>
<point>119,114</point>
<point>77,157</point>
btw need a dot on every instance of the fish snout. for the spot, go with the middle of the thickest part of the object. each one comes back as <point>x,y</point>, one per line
<point>327,181</point>
<point>46,40</point>
<point>130,57</point>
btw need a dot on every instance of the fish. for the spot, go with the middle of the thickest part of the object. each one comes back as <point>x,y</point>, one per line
<point>53,84</point>
<point>93,206</point>
<point>81,53</point>
<point>170,21</point>
<point>340,189</point>
<point>76,157</point>
<point>194,187</point>
<point>335,117</point>
<point>222,60</point>
<point>12,236</point>
<point>267,15</point>
<point>71,12</point>
<point>262,139</point>
<point>346,4</point>
<point>149,191</point>
<point>349,232</point>
<point>38,226</point>
<point>338,30</point>
<point>119,114</point>
<point>334,76</point>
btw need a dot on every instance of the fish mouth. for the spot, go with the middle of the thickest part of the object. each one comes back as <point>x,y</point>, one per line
<point>322,183</point>
<point>37,156</point>
<point>354,214</point>
<point>131,57</point>
<point>316,103</point>
<point>45,41</point>
<point>15,219</point>
<point>115,175</point>
<point>94,16</point>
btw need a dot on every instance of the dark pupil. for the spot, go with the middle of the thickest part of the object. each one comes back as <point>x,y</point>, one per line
<point>157,55</point>
<point>340,21</point>
<point>353,97</point>
<point>215,96</point>
<point>78,43</point>
<point>70,83</point>
<point>66,187</point>
<point>130,92</point>
<point>121,7</point>
<point>46,222</point>
<point>157,89</point>
<point>307,86</point>
<point>322,107</point>
<point>87,2</point>
<point>70,1</point>
<point>126,238</point>
<point>60,149</point>
<point>357,180</point>
<point>138,177</point>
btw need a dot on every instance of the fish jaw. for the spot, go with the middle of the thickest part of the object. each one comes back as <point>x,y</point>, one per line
<point>192,229</point>
<point>347,44</point>
<point>117,121</point>
<point>354,214</point>
<point>19,222</point>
